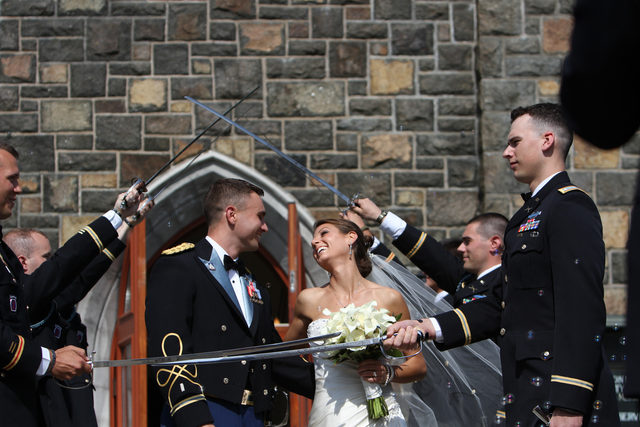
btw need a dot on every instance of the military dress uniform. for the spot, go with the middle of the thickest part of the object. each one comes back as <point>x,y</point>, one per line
<point>551,316</point>
<point>20,355</point>
<point>192,308</point>
<point>446,269</point>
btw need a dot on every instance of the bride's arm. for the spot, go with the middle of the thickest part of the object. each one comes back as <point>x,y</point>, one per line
<point>298,325</point>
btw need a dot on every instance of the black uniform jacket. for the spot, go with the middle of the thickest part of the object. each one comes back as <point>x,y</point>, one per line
<point>551,317</point>
<point>189,311</point>
<point>20,356</point>
<point>442,266</point>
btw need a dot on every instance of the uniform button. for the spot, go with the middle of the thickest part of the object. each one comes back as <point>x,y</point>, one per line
<point>252,370</point>
<point>546,354</point>
<point>503,304</point>
<point>502,332</point>
<point>224,328</point>
<point>226,380</point>
<point>505,278</point>
<point>265,392</point>
<point>244,362</point>
<point>264,340</point>
<point>264,367</point>
<point>524,246</point>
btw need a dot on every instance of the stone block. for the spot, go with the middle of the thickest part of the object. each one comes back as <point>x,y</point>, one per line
<point>214,49</point>
<point>412,39</point>
<point>446,84</point>
<point>187,21</point>
<point>619,271</point>
<point>367,30</point>
<point>548,88</point>
<point>17,68</point>
<point>168,125</point>
<point>30,8</point>
<point>101,180</point>
<point>118,132</point>
<point>29,45</point>
<point>419,179</point>
<point>60,193</point>
<point>266,127</point>
<point>86,162</point>
<point>280,170</point>
<point>587,156</point>
<point>614,189</point>
<point>222,31</point>
<point>527,66</point>
<point>52,27</point>
<point>64,116</point>
<point>327,22</point>
<point>9,34</point>
<point>387,151</point>
<point>30,205</point>
<point>633,145</point>
<point>428,64</point>
<point>442,144</point>
<point>490,56</point>
<point>539,7</point>
<point>142,52</point>
<point>392,9</point>
<point>205,118</point>
<point>138,9</point>
<point>414,114</point>
<point>305,99</point>
<point>234,78</point>
<point>334,161</point>
<point>495,128</point>
<point>462,172</point>
<point>314,197</point>
<point>451,208</point>
<point>156,144</point>
<point>117,87</point>
<point>148,30</point>
<point>88,80</point>
<point>201,66</point>
<point>74,141</point>
<point>506,94</point>
<point>500,17</point>
<point>30,183</point>
<point>454,57</point>
<point>432,11</point>
<point>307,48</point>
<point>498,176</point>
<point>357,87</point>
<point>379,48</point>
<point>377,186</point>
<point>522,45</point>
<point>61,50</point>
<point>171,59</point>
<point>615,300</point>
<point>414,217</point>
<point>615,228</point>
<point>196,87</point>
<point>630,163</point>
<point>308,135</point>
<point>423,163</point>
<point>8,98</point>
<point>359,13</point>
<point>181,107</point>
<point>180,144</point>
<point>147,95</point>
<point>45,91</point>
<point>284,12</point>
<point>583,180</point>
<point>347,142</point>
<point>233,9</point>
<point>298,30</point>
<point>129,69</point>
<point>463,22</point>
<point>39,221</point>
<point>239,149</point>
<point>391,77</point>
<point>296,68</point>
<point>409,198</point>
<point>457,106</point>
<point>532,25</point>
<point>99,200</point>
<point>347,59</point>
<point>109,40</point>
<point>27,106</point>
<point>262,38</point>
<point>556,35</point>
<point>370,107</point>
<point>141,165</point>
<point>53,73</point>
<point>456,124</point>
<point>249,109</point>
<point>444,32</point>
<point>328,177</point>
<point>364,125</point>
<point>18,122</point>
<point>82,7</point>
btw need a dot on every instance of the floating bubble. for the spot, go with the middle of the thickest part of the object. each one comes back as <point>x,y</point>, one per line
<point>545,355</point>
<point>616,327</point>
<point>598,338</point>
<point>518,424</point>
<point>536,381</point>
<point>595,419</point>
<point>577,261</point>
<point>597,405</point>
<point>530,335</point>
<point>506,399</point>
<point>623,340</point>
<point>400,128</point>
<point>540,292</point>
<point>546,405</point>
<point>448,385</point>
<point>624,357</point>
<point>613,358</point>
<point>499,420</point>
<point>168,224</point>
<point>268,285</point>
<point>392,393</point>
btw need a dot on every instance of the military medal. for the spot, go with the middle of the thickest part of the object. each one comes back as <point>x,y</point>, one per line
<point>254,293</point>
<point>531,224</point>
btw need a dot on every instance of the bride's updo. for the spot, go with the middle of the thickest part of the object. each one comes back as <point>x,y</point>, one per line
<point>360,246</point>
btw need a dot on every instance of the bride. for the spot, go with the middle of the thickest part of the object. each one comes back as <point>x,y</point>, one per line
<point>339,247</point>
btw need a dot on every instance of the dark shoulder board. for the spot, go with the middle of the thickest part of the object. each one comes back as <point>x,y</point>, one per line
<point>568,188</point>
<point>180,248</point>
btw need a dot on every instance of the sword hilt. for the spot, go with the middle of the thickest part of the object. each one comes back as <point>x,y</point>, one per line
<point>135,181</point>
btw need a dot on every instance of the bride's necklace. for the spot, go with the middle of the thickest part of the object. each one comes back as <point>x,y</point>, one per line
<point>350,299</point>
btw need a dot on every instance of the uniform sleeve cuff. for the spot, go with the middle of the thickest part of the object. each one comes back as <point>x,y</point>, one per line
<point>44,363</point>
<point>114,219</point>
<point>393,225</point>
<point>375,244</point>
<point>438,329</point>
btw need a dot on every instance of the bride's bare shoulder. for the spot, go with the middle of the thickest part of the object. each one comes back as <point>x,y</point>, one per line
<point>307,296</point>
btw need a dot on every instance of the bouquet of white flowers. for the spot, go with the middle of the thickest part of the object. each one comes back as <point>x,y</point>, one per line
<point>356,324</point>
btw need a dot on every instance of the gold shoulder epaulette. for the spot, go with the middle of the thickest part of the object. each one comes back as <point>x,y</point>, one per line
<point>568,188</point>
<point>180,248</point>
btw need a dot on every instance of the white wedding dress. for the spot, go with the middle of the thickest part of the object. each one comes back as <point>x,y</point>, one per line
<point>340,398</point>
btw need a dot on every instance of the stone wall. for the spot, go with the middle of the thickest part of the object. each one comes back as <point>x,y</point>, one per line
<point>406,101</point>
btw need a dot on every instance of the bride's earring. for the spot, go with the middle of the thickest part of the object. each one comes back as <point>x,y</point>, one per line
<point>350,249</point>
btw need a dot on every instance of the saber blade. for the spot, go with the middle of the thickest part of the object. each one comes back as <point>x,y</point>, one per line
<point>275,150</point>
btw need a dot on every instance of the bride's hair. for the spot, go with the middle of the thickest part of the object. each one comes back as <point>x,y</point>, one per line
<point>360,246</point>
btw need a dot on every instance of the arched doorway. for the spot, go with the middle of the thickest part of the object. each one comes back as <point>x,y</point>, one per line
<point>178,215</point>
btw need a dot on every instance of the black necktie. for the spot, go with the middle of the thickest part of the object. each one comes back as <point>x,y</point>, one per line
<point>526,196</point>
<point>230,264</point>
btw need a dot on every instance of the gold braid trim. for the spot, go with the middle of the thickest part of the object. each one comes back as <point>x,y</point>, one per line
<point>17,355</point>
<point>418,245</point>
<point>109,255</point>
<point>94,236</point>
<point>571,381</point>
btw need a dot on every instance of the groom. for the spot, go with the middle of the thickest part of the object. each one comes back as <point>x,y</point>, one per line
<point>199,300</point>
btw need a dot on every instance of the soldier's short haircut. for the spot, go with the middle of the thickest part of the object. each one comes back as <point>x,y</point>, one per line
<point>548,117</point>
<point>9,148</point>
<point>20,240</point>
<point>227,192</point>
<point>491,224</point>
